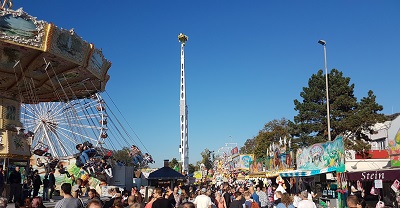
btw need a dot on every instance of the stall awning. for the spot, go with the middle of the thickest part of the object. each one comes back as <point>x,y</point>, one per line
<point>297,173</point>
<point>381,174</point>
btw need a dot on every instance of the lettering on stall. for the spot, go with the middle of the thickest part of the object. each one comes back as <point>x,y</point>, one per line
<point>372,175</point>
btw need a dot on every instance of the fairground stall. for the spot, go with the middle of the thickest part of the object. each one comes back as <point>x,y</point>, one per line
<point>319,169</point>
<point>377,180</point>
<point>265,171</point>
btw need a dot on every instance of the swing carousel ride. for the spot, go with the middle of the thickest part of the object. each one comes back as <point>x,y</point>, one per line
<point>50,85</point>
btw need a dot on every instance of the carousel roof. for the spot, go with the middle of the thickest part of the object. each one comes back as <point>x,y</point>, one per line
<point>41,62</point>
<point>165,173</point>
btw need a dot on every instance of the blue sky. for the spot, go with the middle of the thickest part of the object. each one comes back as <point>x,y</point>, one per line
<point>246,61</point>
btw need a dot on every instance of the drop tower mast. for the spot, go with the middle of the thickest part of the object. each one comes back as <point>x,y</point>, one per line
<point>184,145</point>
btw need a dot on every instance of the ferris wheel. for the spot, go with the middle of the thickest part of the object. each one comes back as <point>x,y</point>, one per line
<point>59,126</point>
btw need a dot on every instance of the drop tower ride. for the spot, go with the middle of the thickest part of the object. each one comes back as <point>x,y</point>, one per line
<point>184,145</point>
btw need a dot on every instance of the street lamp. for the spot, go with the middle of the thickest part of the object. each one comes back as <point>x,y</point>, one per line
<point>322,42</point>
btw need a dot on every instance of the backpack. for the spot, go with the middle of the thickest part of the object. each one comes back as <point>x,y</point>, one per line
<point>254,205</point>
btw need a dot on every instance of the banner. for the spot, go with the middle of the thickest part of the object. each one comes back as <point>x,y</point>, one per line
<point>394,149</point>
<point>244,162</point>
<point>322,155</point>
<point>198,174</point>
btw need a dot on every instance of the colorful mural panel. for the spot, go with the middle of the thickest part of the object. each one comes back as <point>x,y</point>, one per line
<point>20,28</point>
<point>244,162</point>
<point>322,155</point>
<point>68,45</point>
<point>394,149</point>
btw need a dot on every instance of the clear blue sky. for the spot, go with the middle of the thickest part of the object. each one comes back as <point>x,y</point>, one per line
<point>246,61</point>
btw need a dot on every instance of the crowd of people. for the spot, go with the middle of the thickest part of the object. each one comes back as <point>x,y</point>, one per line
<point>224,196</point>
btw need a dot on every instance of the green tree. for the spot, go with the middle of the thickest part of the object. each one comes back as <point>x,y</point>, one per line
<point>174,164</point>
<point>248,147</point>
<point>193,168</point>
<point>271,132</point>
<point>346,114</point>
<point>207,160</point>
<point>122,155</point>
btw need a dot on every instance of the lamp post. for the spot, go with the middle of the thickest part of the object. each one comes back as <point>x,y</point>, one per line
<point>328,118</point>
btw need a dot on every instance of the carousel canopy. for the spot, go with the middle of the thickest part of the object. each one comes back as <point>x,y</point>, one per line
<point>165,173</point>
<point>40,62</point>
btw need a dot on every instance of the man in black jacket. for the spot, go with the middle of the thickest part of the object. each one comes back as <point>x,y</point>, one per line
<point>37,182</point>
<point>52,184</point>
<point>15,185</point>
<point>160,201</point>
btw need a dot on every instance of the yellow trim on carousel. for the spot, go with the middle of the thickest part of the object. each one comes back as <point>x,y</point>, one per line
<point>15,156</point>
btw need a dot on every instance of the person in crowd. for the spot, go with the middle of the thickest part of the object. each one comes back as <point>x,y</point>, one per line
<point>151,200</point>
<point>106,168</point>
<point>142,190</point>
<point>226,194</point>
<point>94,204</point>
<point>148,158</point>
<point>37,182</point>
<point>26,188</point>
<point>305,203</point>
<point>238,201</point>
<point>219,200</point>
<point>254,195</point>
<point>62,170</point>
<point>109,203</point>
<point>51,164</point>
<point>311,194</point>
<point>277,197</point>
<point>77,189</point>
<point>187,205</point>
<point>68,201</point>
<point>202,200</point>
<point>15,185</point>
<point>52,185</point>
<point>27,202</point>
<point>117,203</point>
<point>175,197</point>
<point>90,165</point>
<point>37,202</point>
<point>1,180</point>
<point>184,196</point>
<point>131,200</point>
<point>3,202</point>
<point>46,188</point>
<point>192,196</point>
<point>296,199</point>
<point>102,183</point>
<point>262,197</point>
<point>136,154</point>
<point>248,199</point>
<point>361,203</point>
<point>352,201</point>
<point>160,201</point>
<point>286,202</point>
<point>93,195</point>
<point>86,151</point>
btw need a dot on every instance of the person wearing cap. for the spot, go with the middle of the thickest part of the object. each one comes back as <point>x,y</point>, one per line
<point>305,203</point>
<point>202,200</point>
